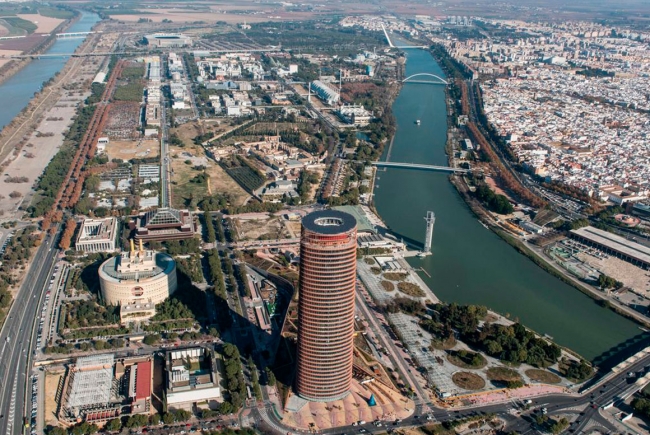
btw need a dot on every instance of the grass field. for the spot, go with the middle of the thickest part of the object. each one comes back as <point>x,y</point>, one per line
<point>129,92</point>
<point>246,177</point>
<point>62,14</point>
<point>394,276</point>
<point>503,374</point>
<point>468,360</point>
<point>183,190</point>
<point>411,289</point>
<point>446,344</point>
<point>543,376</point>
<point>12,8</point>
<point>468,381</point>
<point>19,27</point>
<point>133,72</point>
<point>221,182</point>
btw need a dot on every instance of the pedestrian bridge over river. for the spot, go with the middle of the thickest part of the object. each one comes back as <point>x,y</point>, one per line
<point>415,78</point>
<point>420,166</point>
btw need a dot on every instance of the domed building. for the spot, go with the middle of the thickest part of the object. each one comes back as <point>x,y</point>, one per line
<point>136,281</point>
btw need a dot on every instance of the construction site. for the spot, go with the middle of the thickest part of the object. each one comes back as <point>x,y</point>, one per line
<point>376,392</point>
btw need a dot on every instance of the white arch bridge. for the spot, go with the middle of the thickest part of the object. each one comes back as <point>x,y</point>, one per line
<point>413,79</point>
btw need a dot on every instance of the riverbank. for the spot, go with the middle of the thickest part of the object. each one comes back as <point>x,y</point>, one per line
<point>548,266</point>
<point>436,356</point>
<point>9,69</point>
<point>16,134</point>
<point>469,263</point>
<point>485,217</point>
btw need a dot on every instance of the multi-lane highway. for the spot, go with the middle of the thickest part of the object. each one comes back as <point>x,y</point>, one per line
<point>587,408</point>
<point>17,336</point>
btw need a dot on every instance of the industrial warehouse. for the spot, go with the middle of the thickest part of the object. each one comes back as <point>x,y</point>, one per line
<point>97,388</point>
<point>612,244</point>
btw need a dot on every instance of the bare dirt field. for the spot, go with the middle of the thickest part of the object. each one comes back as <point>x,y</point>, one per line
<point>220,14</point>
<point>220,182</point>
<point>6,52</point>
<point>53,103</point>
<point>42,150</point>
<point>263,229</point>
<point>293,228</point>
<point>44,24</point>
<point>495,188</point>
<point>133,149</point>
<point>9,52</point>
<point>183,189</point>
<point>51,385</point>
<point>22,44</point>
<point>187,132</point>
<point>629,274</point>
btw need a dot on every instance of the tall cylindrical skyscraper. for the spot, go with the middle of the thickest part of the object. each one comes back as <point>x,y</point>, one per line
<point>328,267</point>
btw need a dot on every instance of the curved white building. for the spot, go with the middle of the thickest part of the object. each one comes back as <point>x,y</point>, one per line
<point>138,279</point>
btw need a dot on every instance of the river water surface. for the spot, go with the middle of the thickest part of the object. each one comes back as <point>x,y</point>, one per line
<point>470,264</point>
<point>16,92</point>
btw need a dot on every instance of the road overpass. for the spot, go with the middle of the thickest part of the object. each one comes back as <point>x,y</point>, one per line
<point>70,35</point>
<point>421,166</point>
<point>128,53</point>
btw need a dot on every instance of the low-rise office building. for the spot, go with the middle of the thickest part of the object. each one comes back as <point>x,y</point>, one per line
<point>163,224</point>
<point>97,235</point>
<point>192,376</point>
<point>355,114</point>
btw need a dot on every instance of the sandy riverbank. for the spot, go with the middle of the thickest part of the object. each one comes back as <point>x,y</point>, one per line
<point>9,67</point>
<point>38,131</point>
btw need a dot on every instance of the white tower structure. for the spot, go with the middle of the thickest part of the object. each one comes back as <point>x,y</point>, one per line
<point>431,219</point>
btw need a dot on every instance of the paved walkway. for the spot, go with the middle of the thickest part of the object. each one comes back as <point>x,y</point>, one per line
<point>516,394</point>
<point>353,408</point>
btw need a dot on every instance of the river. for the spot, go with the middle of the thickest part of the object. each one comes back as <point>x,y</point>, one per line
<point>20,88</point>
<point>470,264</point>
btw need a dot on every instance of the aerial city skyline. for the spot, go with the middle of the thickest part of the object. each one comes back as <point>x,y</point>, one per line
<point>287,218</point>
